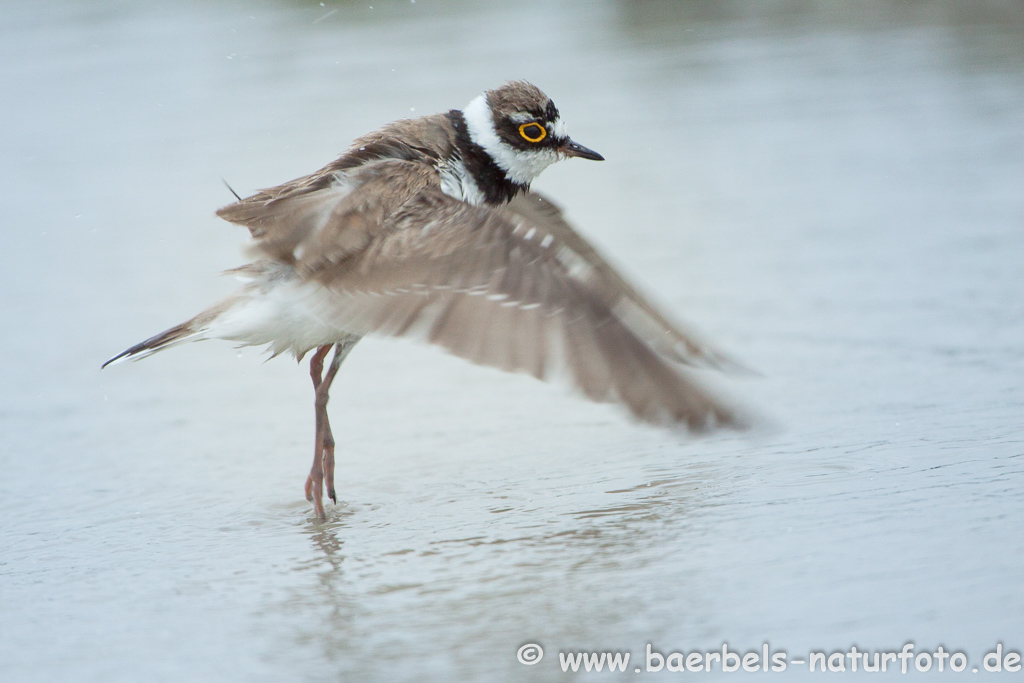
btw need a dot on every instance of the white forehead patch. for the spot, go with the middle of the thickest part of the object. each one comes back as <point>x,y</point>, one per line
<point>520,166</point>
<point>558,128</point>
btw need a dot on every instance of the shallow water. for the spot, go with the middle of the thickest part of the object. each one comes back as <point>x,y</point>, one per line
<point>833,194</point>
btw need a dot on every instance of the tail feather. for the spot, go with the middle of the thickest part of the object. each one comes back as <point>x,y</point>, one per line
<point>190,330</point>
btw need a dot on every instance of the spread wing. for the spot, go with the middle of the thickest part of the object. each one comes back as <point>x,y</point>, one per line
<point>668,337</point>
<point>505,288</point>
<point>322,213</point>
<point>387,166</point>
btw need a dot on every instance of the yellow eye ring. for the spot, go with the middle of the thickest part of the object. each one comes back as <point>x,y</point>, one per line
<point>533,131</point>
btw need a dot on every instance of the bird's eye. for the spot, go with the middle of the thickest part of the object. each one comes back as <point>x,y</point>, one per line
<point>533,132</point>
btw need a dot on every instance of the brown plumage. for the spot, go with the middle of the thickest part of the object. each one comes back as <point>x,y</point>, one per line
<point>427,228</point>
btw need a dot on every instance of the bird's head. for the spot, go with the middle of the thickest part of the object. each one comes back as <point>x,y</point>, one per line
<point>519,127</point>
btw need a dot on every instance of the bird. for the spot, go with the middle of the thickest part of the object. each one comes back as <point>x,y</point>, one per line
<point>427,228</point>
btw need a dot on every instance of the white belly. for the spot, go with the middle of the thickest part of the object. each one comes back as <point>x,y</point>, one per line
<point>277,311</point>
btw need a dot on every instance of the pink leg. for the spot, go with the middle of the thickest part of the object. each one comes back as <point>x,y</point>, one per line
<point>323,453</point>
<point>315,480</point>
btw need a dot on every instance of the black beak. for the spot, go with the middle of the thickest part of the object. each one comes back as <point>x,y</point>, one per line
<point>574,149</point>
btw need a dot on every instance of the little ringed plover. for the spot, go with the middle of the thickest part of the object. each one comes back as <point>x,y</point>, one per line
<point>427,228</point>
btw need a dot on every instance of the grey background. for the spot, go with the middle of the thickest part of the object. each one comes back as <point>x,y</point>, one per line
<point>833,192</point>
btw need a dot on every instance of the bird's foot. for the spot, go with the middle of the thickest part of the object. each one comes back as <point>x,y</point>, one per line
<point>315,493</point>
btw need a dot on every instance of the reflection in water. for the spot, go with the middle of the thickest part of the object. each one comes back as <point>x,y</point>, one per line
<point>325,606</point>
<point>495,582</point>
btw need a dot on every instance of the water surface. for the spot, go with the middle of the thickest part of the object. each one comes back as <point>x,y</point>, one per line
<point>831,192</point>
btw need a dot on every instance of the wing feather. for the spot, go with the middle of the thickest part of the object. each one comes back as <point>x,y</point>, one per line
<point>484,285</point>
<point>669,337</point>
<point>381,250</point>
